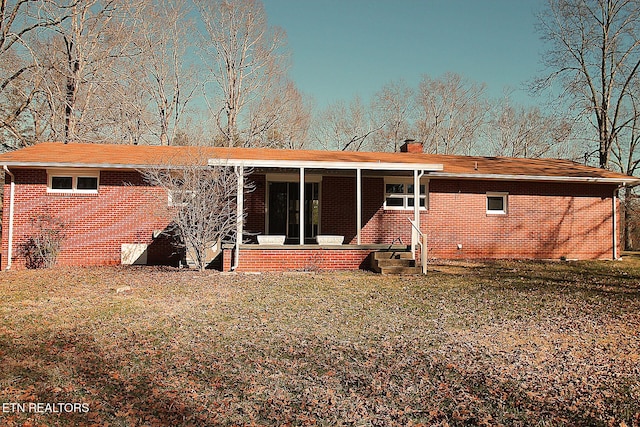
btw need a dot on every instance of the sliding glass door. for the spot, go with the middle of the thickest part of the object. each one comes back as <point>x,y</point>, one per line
<point>284,210</point>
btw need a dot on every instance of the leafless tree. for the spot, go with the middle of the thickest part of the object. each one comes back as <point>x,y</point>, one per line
<point>594,55</point>
<point>281,119</point>
<point>517,131</point>
<point>164,34</point>
<point>245,57</point>
<point>346,127</point>
<point>393,105</point>
<point>22,22</point>
<point>89,79</point>
<point>451,112</point>
<point>202,202</point>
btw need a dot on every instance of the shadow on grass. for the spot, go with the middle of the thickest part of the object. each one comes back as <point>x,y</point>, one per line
<point>72,368</point>
<point>370,387</point>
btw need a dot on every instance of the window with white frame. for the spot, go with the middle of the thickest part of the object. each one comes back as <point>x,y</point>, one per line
<point>497,203</point>
<point>398,193</point>
<point>179,197</point>
<point>72,181</point>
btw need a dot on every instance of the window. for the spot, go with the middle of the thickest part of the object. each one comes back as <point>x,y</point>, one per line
<point>73,181</point>
<point>398,194</point>
<point>497,203</point>
<point>87,183</point>
<point>179,198</point>
<point>61,183</point>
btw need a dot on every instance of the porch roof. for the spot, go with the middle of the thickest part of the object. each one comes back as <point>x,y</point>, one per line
<point>116,156</point>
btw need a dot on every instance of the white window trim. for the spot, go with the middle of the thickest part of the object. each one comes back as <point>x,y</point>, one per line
<point>172,204</point>
<point>405,196</point>
<point>505,203</point>
<point>74,174</point>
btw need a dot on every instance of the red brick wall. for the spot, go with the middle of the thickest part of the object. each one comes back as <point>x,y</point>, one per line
<point>97,224</point>
<point>295,259</point>
<point>254,204</point>
<point>544,220</point>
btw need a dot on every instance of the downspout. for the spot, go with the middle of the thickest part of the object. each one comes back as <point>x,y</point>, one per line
<point>11,203</point>
<point>615,220</point>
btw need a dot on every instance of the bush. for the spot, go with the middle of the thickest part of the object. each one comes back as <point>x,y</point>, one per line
<point>42,248</point>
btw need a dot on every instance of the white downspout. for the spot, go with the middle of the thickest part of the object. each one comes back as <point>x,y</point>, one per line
<point>615,220</point>
<point>11,203</point>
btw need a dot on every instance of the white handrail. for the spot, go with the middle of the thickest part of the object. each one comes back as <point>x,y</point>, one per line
<point>423,246</point>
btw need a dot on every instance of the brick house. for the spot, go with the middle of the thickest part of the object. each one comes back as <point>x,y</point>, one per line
<point>355,204</point>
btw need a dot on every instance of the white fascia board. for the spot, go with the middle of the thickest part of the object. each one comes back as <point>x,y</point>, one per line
<point>314,164</point>
<point>60,165</point>
<point>500,177</point>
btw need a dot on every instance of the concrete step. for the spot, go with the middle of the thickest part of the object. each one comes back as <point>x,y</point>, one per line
<point>396,262</point>
<point>392,255</point>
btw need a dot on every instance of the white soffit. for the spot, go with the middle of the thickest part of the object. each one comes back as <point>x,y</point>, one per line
<point>314,164</point>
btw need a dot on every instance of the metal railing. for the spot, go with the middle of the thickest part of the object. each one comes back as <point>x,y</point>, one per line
<point>422,241</point>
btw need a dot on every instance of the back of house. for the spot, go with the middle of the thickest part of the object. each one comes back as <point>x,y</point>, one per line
<point>311,209</point>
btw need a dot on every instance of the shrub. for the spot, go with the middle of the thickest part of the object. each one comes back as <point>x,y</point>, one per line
<point>41,249</point>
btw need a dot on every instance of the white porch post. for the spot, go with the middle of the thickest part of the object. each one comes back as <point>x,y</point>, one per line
<point>358,205</point>
<point>416,213</point>
<point>239,170</point>
<point>301,216</point>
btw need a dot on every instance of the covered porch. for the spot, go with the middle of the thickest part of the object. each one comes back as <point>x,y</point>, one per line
<point>349,211</point>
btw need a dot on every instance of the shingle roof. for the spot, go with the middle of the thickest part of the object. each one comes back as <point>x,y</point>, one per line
<point>55,154</point>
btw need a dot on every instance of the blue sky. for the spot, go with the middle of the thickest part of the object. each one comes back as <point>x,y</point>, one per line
<point>343,48</point>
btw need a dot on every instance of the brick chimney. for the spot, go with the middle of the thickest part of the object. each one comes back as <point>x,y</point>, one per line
<point>411,146</point>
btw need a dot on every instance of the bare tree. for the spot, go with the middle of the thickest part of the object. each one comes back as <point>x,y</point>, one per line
<point>281,119</point>
<point>88,82</point>
<point>346,127</point>
<point>594,55</point>
<point>517,131</point>
<point>170,84</point>
<point>201,201</point>
<point>21,23</point>
<point>451,112</point>
<point>394,106</point>
<point>245,57</point>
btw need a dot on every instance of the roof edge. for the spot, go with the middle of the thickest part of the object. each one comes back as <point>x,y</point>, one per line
<point>545,178</point>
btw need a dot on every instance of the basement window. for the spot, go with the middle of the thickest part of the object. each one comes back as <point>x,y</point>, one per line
<point>73,181</point>
<point>398,194</point>
<point>497,203</point>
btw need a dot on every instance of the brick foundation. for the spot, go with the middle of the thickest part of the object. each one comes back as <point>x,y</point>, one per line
<point>255,259</point>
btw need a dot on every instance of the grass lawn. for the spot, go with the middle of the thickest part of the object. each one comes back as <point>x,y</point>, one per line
<point>505,343</point>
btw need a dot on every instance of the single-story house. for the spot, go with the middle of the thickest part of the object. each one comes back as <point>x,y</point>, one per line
<point>355,204</point>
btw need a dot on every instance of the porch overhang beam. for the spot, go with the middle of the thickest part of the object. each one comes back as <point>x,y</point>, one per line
<point>315,164</point>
